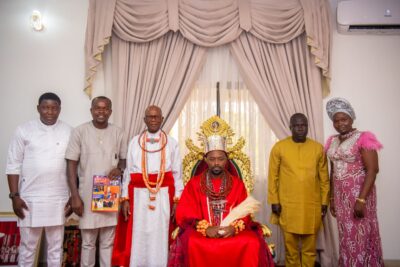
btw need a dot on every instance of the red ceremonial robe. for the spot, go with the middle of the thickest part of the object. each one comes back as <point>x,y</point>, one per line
<point>123,233</point>
<point>191,248</point>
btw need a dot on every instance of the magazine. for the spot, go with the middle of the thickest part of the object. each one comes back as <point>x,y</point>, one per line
<point>106,193</point>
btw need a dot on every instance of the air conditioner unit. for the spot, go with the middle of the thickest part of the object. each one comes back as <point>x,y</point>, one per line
<point>369,17</point>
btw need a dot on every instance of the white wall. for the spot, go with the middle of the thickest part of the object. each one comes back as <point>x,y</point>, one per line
<point>32,63</point>
<point>365,70</point>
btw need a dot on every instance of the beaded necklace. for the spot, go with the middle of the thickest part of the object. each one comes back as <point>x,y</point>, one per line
<point>208,188</point>
<point>160,176</point>
<point>143,137</point>
<point>345,136</point>
<point>216,200</point>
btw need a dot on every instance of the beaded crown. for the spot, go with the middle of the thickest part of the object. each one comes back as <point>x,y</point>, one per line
<point>216,134</point>
<point>214,142</point>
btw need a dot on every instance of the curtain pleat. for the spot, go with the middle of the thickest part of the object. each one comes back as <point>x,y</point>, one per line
<point>98,34</point>
<point>160,73</point>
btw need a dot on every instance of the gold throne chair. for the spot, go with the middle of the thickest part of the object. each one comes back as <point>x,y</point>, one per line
<point>238,164</point>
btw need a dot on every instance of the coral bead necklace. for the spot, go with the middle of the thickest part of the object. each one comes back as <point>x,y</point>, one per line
<point>153,187</point>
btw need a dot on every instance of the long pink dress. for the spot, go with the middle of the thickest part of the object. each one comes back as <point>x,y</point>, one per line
<point>359,239</point>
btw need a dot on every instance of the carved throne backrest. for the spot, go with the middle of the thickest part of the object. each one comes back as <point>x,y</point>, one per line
<point>238,164</point>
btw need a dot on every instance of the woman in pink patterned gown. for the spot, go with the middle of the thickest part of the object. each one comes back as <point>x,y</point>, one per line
<point>354,166</point>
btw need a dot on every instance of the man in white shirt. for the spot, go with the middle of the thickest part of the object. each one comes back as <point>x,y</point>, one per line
<point>152,186</point>
<point>36,173</point>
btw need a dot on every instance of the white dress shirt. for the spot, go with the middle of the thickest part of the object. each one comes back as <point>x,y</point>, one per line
<point>37,154</point>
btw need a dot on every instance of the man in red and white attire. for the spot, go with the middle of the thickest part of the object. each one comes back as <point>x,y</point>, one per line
<point>206,238</point>
<point>152,185</point>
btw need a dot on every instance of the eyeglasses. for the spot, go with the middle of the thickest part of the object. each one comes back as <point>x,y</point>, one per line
<point>151,118</point>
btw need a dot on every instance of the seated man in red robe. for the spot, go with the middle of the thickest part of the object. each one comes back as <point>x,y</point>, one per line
<point>213,230</point>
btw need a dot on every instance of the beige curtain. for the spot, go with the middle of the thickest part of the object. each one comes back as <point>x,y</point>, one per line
<point>239,109</point>
<point>207,23</point>
<point>284,77</point>
<point>160,72</point>
<point>282,49</point>
<point>98,34</point>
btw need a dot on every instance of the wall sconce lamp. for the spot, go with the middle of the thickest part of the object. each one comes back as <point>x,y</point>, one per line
<point>36,21</point>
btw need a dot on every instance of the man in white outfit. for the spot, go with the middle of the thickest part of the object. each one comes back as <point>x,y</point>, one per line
<point>152,187</point>
<point>36,173</point>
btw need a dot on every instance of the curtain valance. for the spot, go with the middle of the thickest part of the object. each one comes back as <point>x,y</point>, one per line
<point>207,23</point>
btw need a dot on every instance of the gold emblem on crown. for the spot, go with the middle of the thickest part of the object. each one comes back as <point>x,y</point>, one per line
<point>216,134</point>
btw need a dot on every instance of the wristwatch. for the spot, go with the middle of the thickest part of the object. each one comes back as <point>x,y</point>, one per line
<point>13,194</point>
